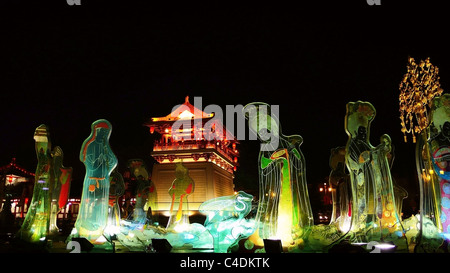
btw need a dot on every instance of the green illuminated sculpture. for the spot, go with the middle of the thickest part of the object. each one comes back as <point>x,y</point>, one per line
<point>99,160</point>
<point>225,219</point>
<point>284,211</point>
<point>61,188</point>
<point>181,187</point>
<point>374,213</point>
<point>436,199</point>
<point>36,224</point>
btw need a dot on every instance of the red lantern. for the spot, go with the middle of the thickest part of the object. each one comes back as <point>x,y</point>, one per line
<point>152,129</point>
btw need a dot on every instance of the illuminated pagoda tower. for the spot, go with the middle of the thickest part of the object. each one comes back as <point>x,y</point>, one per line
<point>202,144</point>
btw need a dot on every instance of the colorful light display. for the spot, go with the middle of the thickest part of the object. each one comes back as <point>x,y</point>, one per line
<point>61,188</point>
<point>181,188</point>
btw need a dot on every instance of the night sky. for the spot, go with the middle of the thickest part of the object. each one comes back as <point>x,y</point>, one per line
<point>67,66</point>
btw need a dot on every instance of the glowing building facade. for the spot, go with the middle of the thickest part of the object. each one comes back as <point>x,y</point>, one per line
<point>204,146</point>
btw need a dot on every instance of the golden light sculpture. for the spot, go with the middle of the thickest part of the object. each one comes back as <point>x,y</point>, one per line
<point>419,86</point>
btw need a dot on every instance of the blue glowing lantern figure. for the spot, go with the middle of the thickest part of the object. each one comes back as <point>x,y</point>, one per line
<point>99,160</point>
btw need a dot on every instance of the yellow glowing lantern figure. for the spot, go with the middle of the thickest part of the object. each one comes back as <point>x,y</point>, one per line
<point>61,188</point>
<point>181,188</point>
<point>374,213</point>
<point>99,160</point>
<point>419,86</point>
<point>284,210</point>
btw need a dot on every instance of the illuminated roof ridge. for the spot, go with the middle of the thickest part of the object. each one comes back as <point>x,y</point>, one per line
<point>184,111</point>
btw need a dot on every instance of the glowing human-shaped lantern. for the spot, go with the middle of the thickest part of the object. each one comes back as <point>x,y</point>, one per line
<point>439,145</point>
<point>61,188</point>
<point>99,160</point>
<point>181,188</point>
<point>340,190</point>
<point>36,224</point>
<point>374,213</point>
<point>284,209</point>
<point>145,191</point>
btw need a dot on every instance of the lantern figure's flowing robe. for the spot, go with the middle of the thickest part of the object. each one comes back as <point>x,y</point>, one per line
<point>284,208</point>
<point>439,145</point>
<point>374,213</point>
<point>99,160</point>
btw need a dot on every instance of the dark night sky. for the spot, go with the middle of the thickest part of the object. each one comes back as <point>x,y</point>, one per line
<point>68,66</point>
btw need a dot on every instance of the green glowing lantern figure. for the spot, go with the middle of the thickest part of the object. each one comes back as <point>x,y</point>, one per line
<point>99,160</point>
<point>225,219</point>
<point>284,211</point>
<point>374,213</point>
<point>61,188</point>
<point>36,224</point>
<point>181,188</point>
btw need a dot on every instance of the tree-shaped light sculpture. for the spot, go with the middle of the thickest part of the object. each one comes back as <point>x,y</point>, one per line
<point>417,89</point>
<point>419,86</point>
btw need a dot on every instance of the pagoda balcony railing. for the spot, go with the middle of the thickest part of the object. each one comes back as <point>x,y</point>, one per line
<point>176,146</point>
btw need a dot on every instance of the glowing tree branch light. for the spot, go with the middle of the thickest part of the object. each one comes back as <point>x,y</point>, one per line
<point>419,86</point>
